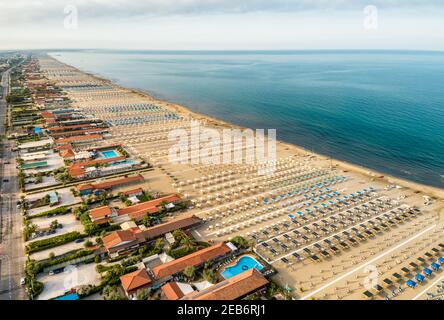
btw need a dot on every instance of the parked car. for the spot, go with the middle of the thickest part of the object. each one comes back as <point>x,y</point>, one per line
<point>56,271</point>
<point>79,240</point>
<point>22,281</point>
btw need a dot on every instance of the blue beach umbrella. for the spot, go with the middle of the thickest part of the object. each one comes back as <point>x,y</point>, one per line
<point>427,271</point>
<point>435,266</point>
<point>419,277</point>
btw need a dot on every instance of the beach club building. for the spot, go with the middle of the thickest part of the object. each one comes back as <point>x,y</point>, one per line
<point>140,210</point>
<point>123,241</point>
<point>166,271</point>
<point>97,167</point>
<point>102,215</point>
<point>108,185</point>
<point>87,138</point>
<point>134,282</point>
<point>136,212</point>
<point>234,288</point>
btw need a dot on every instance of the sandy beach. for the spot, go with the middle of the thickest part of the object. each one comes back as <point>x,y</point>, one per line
<point>347,201</point>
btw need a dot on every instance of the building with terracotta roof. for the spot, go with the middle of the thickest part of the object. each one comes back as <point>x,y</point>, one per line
<point>66,134</point>
<point>122,241</point>
<point>196,259</point>
<point>135,281</point>
<point>236,287</point>
<point>102,214</point>
<point>86,189</point>
<point>79,139</point>
<point>79,169</point>
<point>140,210</point>
<point>175,290</point>
<point>67,154</point>
<point>133,192</point>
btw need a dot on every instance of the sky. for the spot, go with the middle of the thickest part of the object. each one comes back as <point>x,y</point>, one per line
<point>222,24</point>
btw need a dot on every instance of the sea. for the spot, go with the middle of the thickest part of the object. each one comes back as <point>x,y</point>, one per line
<point>383,110</point>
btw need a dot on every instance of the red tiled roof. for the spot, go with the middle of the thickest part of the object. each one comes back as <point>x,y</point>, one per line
<point>64,147</point>
<point>233,288</point>
<point>79,138</point>
<point>136,235</point>
<point>68,153</point>
<point>193,259</point>
<point>133,191</point>
<point>93,162</point>
<point>171,291</point>
<point>77,132</point>
<point>118,237</point>
<point>152,206</point>
<point>46,114</point>
<point>84,187</point>
<point>118,182</point>
<point>76,169</point>
<point>135,280</point>
<point>75,126</point>
<point>101,221</point>
<point>100,212</point>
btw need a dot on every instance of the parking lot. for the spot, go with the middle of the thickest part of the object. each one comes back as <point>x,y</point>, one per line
<point>69,224</point>
<point>66,198</point>
<point>72,277</point>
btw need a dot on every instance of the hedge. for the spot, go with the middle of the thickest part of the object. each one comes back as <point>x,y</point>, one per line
<point>61,259</point>
<point>56,211</point>
<point>44,244</point>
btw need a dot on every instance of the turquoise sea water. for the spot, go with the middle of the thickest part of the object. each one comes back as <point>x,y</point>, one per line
<point>382,110</point>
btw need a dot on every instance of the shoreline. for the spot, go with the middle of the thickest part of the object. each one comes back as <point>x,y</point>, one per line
<point>426,190</point>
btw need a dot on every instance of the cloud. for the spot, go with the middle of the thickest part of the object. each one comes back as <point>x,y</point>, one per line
<point>38,11</point>
<point>221,24</point>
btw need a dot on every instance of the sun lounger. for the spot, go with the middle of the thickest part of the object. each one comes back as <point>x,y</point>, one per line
<point>405,270</point>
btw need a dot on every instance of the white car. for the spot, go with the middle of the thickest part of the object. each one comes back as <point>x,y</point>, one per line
<point>22,281</point>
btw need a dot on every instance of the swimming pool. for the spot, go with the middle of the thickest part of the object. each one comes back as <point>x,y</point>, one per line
<point>243,264</point>
<point>109,154</point>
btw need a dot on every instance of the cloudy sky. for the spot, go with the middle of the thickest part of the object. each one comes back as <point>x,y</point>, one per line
<point>222,24</point>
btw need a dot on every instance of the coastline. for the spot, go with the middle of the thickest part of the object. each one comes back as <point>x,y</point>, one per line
<point>427,190</point>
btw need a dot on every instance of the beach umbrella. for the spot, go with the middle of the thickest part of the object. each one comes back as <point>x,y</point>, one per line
<point>419,277</point>
<point>427,271</point>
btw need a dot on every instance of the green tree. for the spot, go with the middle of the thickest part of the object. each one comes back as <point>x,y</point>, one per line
<point>189,272</point>
<point>142,294</point>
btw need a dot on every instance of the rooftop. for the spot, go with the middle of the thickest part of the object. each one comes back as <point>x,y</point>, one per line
<point>193,259</point>
<point>233,288</point>
<point>135,280</point>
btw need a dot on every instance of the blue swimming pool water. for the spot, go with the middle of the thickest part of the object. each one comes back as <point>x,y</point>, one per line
<point>109,154</point>
<point>243,264</point>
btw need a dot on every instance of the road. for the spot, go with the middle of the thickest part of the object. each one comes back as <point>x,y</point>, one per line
<point>11,243</point>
